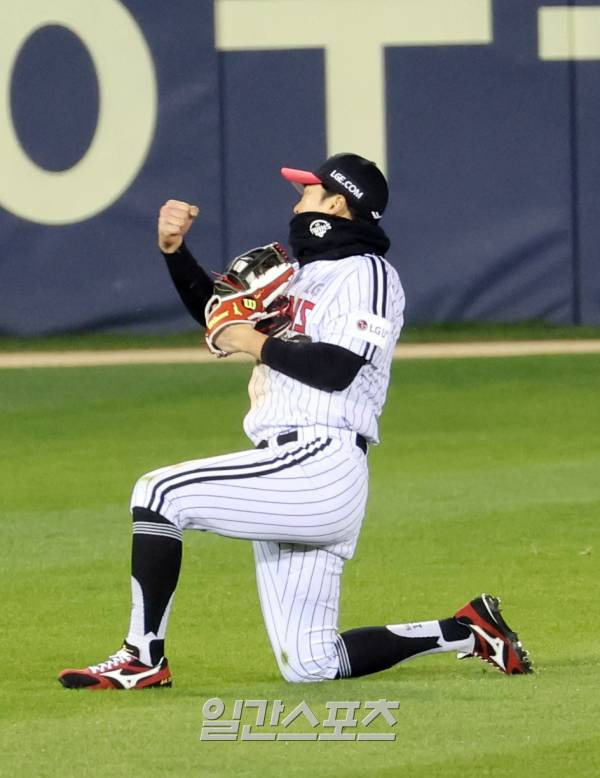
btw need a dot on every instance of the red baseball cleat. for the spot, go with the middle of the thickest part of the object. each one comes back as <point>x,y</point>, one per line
<point>495,642</point>
<point>122,670</point>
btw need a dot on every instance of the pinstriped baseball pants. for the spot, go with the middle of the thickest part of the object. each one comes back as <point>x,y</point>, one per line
<point>302,505</point>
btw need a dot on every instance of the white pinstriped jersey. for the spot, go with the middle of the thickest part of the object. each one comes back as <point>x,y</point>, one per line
<point>357,303</point>
<point>301,500</point>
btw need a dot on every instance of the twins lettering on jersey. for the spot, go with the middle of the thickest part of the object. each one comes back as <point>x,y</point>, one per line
<point>299,310</point>
<point>355,303</point>
<point>368,327</point>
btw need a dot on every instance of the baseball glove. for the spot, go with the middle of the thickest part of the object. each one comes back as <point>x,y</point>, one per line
<point>250,291</point>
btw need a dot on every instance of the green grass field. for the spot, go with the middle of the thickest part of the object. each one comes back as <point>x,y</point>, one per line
<point>488,479</point>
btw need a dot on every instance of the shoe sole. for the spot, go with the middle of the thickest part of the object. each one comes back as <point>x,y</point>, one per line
<point>70,682</point>
<point>493,605</point>
<point>98,688</point>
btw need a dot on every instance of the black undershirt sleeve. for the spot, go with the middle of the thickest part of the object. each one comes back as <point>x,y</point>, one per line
<point>320,365</point>
<point>192,282</point>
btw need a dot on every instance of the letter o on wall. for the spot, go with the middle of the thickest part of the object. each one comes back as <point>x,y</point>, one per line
<point>126,116</point>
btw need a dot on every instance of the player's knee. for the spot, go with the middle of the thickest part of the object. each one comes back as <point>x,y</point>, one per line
<point>305,675</point>
<point>148,517</point>
<point>139,495</point>
<point>143,497</point>
<point>307,667</point>
<point>154,491</point>
<point>288,674</point>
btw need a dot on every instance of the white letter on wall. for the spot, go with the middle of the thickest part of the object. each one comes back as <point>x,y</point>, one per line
<point>126,117</point>
<point>353,34</point>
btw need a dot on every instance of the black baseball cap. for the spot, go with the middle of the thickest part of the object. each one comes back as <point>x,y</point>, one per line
<point>359,180</point>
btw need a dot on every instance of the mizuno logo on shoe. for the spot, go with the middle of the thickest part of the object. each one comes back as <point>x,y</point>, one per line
<point>126,680</point>
<point>497,645</point>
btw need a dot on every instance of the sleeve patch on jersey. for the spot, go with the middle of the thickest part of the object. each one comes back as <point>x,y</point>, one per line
<point>370,328</point>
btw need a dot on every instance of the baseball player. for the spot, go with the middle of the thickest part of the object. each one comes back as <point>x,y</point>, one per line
<point>299,493</point>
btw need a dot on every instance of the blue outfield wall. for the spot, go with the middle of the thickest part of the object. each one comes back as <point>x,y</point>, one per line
<point>491,145</point>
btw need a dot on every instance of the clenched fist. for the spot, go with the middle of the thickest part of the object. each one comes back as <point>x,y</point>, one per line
<point>174,220</point>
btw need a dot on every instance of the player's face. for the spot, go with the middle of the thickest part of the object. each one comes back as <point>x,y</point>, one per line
<point>313,198</point>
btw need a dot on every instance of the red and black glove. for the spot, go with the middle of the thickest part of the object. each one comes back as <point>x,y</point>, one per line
<point>251,292</point>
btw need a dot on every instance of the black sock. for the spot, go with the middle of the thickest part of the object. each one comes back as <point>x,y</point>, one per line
<point>454,630</point>
<point>372,649</point>
<point>155,565</point>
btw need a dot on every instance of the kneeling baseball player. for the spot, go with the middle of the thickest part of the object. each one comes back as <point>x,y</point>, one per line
<point>322,330</point>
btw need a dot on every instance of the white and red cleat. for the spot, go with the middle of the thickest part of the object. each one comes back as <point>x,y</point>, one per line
<point>495,642</point>
<point>122,670</point>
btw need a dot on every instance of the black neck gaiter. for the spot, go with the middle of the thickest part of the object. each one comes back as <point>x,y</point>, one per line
<point>316,236</point>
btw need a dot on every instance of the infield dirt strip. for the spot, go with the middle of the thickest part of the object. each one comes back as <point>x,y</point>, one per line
<point>154,356</point>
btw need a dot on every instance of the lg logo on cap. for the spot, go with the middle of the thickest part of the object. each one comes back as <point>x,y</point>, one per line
<point>347,184</point>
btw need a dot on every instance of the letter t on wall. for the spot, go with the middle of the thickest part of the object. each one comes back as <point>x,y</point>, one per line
<point>354,34</point>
